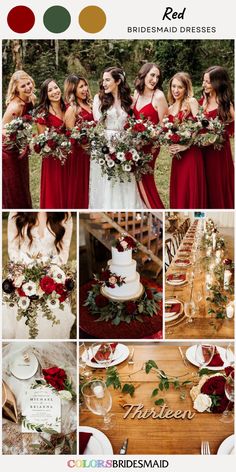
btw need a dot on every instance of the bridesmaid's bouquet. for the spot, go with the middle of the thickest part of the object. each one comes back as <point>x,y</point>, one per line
<point>117,158</point>
<point>210,131</point>
<point>177,131</point>
<point>81,132</point>
<point>18,133</point>
<point>54,142</point>
<point>141,132</point>
<point>44,286</point>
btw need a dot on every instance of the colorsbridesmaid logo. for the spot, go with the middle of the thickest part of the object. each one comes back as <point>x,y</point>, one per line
<point>116,464</point>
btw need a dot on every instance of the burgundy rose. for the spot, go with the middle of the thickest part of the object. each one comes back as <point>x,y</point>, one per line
<point>52,144</point>
<point>214,385</point>
<point>113,156</point>
<point>149,294</point>
<point>165,129</point>
<point>37,148</point>
<point>139,127</point>
<point>101,301</point>
<point>171,118</point>
<point>84,140</point>
<point>47,284</point>
<point>68,132</point>
<point>41,121</point>
<point>27,117</point>
<point>105,275</point>
<point>63,297</point>
<point>127,126</point>
<point>13,136</point>
<point>227,261</point>
<point>55,377</point>
<point>73,141</point>
<point>128,156</point>
<point>131,307</point>
<point>175,138</point>
<point>223,403</point>
<point>69,284</point>
<point>21,292</point>
<point>59,288</point>
<point>228,370</point>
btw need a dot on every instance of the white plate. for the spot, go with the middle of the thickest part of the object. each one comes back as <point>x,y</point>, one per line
<point>191,351</point>
<point>183,264</point>
<point>172,316</point>
<point>121,353</point>
<point>176,282</point>
<point>98,442</point>
<point>227,446</point>
<point>22,369</point>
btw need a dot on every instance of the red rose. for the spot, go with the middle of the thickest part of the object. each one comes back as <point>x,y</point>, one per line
<point>149,294</point>
<point>131,307</point>
<point>68,132</point>
<point>63,297</point>
<point>59,288</point>
<point>55,377</point>
<point>21,292</point>
<point>128,156</point>
<point>37,148</point>
<point>84,140</point>
<point>113,156</point>
<point>27,117</point>
<point>223,403</point>
<point>214,385</point>
<point>175,138</point>
<point>47,284</point>
<point>13,136</point>
<point>101,301</point>
<point>41,121</point>
<point>139,127</point>
<point>73,141</point>
<point>105,274</point>
<point>228,370</point>
<point>227,261</point>
<point>165,129</point>
<point>126,126</point>
<point>171,118</point>
<point>130,241</point>
<point>52,144</point>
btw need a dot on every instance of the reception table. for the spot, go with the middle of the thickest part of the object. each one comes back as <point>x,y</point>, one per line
<point>205,325</point>
<point>157,436</point>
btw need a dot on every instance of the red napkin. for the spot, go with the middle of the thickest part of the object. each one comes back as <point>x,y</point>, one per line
<point>183,261</point>
<point>185,250</point>
<point>174,277</point>
<point>175,308</point>
<point>103,354</point>
<point>188,244</point>
<point>83,441</point>
<point>216,360</point>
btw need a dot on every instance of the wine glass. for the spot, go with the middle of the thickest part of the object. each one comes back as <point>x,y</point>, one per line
<point>102,354</point>
<point>204,354</point>
<point>198,296</point>
<point>189,310</point>
<point>84,355</point>
<point>227,415</point>
<point>229,355</point>
<point>98,400</point>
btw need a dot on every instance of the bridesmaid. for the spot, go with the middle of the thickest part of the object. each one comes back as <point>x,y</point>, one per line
<point>150,102</point>
<point>219,169</point>
<point>50,114</point>
<point>15,167</point>
<point>187,180</point>
<point>78,97</point>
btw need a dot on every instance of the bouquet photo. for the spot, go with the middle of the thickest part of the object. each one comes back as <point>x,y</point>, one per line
<point>18,133</point>
<point>177,131</point>
<point>52,143</point>
<point>211,131</point>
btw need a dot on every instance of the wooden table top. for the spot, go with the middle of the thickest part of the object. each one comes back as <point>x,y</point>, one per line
<point>158,436</point>
<point>205,325</point>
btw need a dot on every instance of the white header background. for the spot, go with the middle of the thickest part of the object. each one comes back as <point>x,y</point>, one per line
<point>121,14</point>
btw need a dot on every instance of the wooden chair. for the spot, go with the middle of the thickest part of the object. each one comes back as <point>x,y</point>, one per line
<point>169,252</point>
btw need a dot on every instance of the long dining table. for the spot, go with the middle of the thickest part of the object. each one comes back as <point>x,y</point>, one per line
<point>160,435</point>
<point>202,260</point>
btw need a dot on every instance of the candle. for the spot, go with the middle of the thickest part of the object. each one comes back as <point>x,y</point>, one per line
<point>227,277</point>
<point>98,391</point>
<point>230,310</point>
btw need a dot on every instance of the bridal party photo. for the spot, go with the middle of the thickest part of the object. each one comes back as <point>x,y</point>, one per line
<point>118,125</point>
<point>199,275</point>
<point>39,275</point>
<point>120,275</point>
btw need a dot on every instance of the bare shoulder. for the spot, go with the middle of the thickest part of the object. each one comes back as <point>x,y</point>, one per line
<point>70,112</point>
<point>158,95</point>
<point>192,101</point>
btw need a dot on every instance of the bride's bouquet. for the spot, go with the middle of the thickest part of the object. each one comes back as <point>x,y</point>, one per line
<point>210,131</point>
<point>54,142</point>
<point>117,157</point>
<point>43,286</point>
<point>18,133</point>
<point>177,131</point>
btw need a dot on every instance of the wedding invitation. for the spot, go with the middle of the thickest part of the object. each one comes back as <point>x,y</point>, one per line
<point>41,410</point>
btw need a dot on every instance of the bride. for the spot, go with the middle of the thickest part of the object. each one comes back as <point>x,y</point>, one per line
<point>38,236</point>
<point>111,106</point>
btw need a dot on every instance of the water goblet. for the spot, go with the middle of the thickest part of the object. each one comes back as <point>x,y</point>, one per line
<point>99,401</point>
<point>189,310</point>
<point>204,354</point>
<point>84,356</point>
<point>227,415</point>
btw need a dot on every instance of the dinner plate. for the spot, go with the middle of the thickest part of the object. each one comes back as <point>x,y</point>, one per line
<point>227,446</point>
<point>23,367</point>
<point>173,316</point>
<point>121,353</point>
<point>190,354</point>
<point>183,264</point>
<point>176,282</point>
<point>98,442</point>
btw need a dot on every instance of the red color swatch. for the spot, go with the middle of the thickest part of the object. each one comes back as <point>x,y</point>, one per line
<point>21,19</point>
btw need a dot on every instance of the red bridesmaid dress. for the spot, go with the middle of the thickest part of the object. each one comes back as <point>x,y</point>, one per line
<point>54,175</point>
<point>187,180</point>
<point>147,187</point>
<point>79,169</point>
<point>15,175</point>
<point>219,170</point>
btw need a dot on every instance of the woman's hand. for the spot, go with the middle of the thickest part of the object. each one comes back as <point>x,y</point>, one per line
<point>176,148</point>
<point>85,147</point>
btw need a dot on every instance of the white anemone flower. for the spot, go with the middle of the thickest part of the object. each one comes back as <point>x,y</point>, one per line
<point>53,303</point>
<point>29,288</point>
<point>110,163</point>
<point>120,156</point>
<point>101,162</point>
<point>127,167</point>
<point>24,303</point>
<point>58,275</point>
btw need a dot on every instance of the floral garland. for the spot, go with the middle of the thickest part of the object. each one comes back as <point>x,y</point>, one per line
<point>18,133</point>
<point>117,312</point>
<point>124,243</point>
<point>44,286</point>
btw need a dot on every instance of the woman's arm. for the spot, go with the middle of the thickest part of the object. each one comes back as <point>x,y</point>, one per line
<point>64,252</point>
<point>70,117</point>
<point>194,106</point>
<point>160,104</point>
<point>96,108</point>
<point>13,241</point>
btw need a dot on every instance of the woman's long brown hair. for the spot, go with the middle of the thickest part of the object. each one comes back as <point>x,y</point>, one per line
<point>54,224</point>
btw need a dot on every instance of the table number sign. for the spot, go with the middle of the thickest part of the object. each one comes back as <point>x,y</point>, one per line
<point>41,411</point>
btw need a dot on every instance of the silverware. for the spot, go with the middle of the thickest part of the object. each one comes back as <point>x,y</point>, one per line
<point>183,357</point>
<point>131,361</point>
<point>205,448</point>
<point>124,446</point>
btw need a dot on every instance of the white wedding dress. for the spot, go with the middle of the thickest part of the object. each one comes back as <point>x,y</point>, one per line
<point>104,193</point>
<point>42,248</point>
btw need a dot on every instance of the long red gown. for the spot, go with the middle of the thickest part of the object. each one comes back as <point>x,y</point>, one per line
<point>187,180</point>
<point>219,171</point>
<point>54,176</point>
<point>15,175</point>
<point>147,187</point>
<point>79,169</point>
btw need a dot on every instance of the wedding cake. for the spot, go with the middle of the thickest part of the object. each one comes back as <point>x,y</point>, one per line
<point>122,266</point>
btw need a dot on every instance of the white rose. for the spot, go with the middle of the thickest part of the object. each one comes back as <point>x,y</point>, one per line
<point>202,402</point>
<point>23,303</point>
<point>124,244</point>
<point>65,395</point>
<point>18,281</point>
<point>29,288</point>
<point>47,148</point>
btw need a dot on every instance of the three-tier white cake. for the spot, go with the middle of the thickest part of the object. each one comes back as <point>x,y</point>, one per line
<point>123,265</point>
